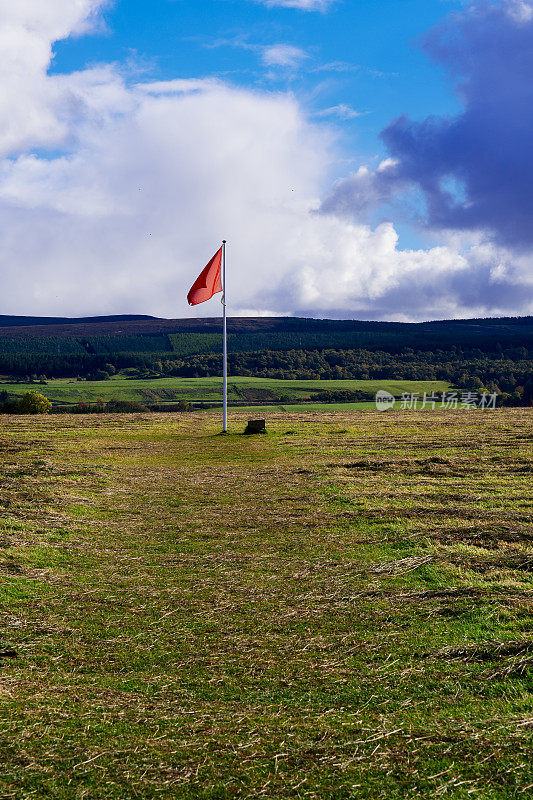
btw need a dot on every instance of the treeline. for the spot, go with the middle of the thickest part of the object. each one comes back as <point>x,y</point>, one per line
<point>21,365</point>
<point>203,343</point>
<point>467,368</point>
<point>66,356</point>
<point>22,355</point>
<point>391,338</point>
<point>42,346</point>
<point>35,403</point>
<point>508,369</point>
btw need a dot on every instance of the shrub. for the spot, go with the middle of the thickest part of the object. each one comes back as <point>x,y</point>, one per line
<point>342,396</point>
<point>9,404</point>
<point>98,375</point>
<point>124,407</point>
<point>181,405</point>
<point>34,403</point>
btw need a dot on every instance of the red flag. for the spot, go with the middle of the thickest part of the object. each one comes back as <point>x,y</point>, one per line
<point>208,282</point>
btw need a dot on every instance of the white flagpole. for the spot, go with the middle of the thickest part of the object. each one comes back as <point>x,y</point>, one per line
<point>225,345</point>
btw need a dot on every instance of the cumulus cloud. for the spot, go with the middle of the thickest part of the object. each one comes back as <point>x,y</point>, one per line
<point>358,196</point>
<point>473,172</point>
<point>151,177</point>
<point>363,273</point>
<point>475,169</point>
<point>53,20</point>
<point>28,97</point>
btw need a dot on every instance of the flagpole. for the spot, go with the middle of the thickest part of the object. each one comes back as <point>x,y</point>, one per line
<point>225,345</point>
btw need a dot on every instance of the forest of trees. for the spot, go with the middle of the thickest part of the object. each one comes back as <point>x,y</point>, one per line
<point>494,354</point>
<point>509,372</point>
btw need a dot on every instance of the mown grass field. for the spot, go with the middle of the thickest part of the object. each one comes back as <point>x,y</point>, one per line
<point>206,389</point>
<point>258,410</point>
<point>340,609</point>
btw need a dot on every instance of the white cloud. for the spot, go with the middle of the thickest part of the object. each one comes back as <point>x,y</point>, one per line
<point>28,98</point>
<point>338,66</point>
<point>303,5</point>
<point>521,10</point>
<point>342,111</point>
<point>283,55</point>
<point>153,176</point>
<point>53,19</point>
<point>178,86</point>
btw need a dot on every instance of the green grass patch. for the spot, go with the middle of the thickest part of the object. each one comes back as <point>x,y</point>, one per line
<point>339,609</point>
<point>208,389</point>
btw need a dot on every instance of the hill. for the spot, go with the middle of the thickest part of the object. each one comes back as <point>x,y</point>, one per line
<point>482,332</point>
<point>10,321</point>
<point>473,353</point>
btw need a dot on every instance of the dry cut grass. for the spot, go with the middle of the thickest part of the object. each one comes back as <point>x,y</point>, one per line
<point>340,609</point>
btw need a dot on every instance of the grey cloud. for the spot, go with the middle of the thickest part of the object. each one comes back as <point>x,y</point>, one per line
<point>476,169</point>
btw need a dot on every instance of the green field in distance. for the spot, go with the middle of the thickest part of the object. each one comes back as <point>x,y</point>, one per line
<point>198,390</point>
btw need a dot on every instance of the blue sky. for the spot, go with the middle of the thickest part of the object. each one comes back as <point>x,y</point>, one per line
<point>364,159</point>
<point>362,54</point>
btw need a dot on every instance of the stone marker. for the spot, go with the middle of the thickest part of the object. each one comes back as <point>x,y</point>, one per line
<point>255,426</point>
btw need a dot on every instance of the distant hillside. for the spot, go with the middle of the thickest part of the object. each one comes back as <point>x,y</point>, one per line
<point>10,321</point>
<point>482,333</point>
<point>468,353</point>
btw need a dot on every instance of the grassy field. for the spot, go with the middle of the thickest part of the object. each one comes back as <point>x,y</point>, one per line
<point>340,609</point>
<point>299,409</point>
<point>206,389</point>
